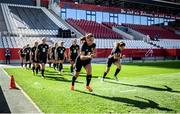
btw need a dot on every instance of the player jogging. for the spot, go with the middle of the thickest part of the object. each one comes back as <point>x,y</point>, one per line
<point>27,52</point>
<point>42,53</point>
<point>60,55</point>
<point>84,60</point>
<point>114,58</point>
<point>22,55</point>
<point>34,62</point>
<point>73,53</point>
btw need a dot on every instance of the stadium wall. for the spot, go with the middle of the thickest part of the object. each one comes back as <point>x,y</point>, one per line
<point>103,53</point>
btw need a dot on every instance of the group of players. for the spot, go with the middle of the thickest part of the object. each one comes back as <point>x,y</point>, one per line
<point>79,56</point>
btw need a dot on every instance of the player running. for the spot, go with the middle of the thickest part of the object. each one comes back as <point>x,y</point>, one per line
<point>27,52</point>
<point>84,60</point>
<point>22,55</point>
<point>50,56</point>
<point>42,52</point>
<point>34,62</point>
<point>73,53</point>
<point>114,58</point>
<point>53,50</point>
<point>60,55</point>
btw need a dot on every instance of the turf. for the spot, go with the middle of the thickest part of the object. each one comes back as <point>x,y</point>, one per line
<point>143,88</point>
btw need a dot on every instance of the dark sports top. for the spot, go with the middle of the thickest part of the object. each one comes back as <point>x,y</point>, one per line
<point>60,51</point>
<point>33,50</point>
<point>114,51</point>
<point>74,50</point>
<point>53,50</point>
<point>27,51</point>
<point>22,51</point>
<point>43,50</point>
<point>88,49</point>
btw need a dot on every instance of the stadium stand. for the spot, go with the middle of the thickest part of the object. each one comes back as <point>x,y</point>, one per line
<point>2,21</point>
<point>22,19</point>
<point>110,25</point>
<point>98,30</point>
<point>152,31</point>
<point>166,43</point>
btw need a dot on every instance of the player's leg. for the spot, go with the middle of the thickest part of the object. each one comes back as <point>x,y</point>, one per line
<point>33,67</point>
<point>42,69</point>
<point>88,68</point>
<point>109,63</point>
<point>72,66</point>
<point>26,61</point>
<point>118,69</point>
<point>78,66</point>
<point>37,67</point>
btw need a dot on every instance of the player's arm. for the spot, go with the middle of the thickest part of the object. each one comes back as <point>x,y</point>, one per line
<point>116,56</point>
<point>69,53</point>
<point>78,51</point>
<point>56,54</point>
<point>36,53</point>
<point>93,54</point>
<point>19,52</point>
<point>31,54</point>
<point>85,57</point>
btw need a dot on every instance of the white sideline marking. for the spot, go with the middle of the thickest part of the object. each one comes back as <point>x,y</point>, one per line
<point>34,104</point>
<point>127,90</point>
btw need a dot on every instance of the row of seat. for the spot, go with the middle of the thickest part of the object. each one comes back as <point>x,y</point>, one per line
<point>31,20</point>
<point>168,43</point>
<point>153,31</point>
<point>98,30</point>
<point>18,42</point>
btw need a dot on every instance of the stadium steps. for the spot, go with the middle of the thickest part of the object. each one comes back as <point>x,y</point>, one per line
<point>52,17</point>
<point>67,24</point>
<point>2,21</point>
<point>5,15</point>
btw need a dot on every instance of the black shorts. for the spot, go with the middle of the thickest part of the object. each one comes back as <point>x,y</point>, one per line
<point>79,64</point>
<point>35,61</point>
<point>42,59</point>
<point>60,57</point>
<point>22,55</point>
<point>111,61</point>
<point>27,58</point>
<point>73,58</point>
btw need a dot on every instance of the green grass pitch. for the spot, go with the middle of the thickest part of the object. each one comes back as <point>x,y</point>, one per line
<point>143,88</point>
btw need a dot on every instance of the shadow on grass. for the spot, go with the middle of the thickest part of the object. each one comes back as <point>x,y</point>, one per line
<point>165,64</point>
<point>166,88</point>
<point>134,103</point>
<point>59,78</point>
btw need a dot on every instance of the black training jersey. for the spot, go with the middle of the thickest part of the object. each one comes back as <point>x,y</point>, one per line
<point>74,50</point>
<point>88,49</point>
<point>115,51</point>
<point>27,51</point>
<point>33,50</point>
<point>60,51</point>
<point>43,50</point>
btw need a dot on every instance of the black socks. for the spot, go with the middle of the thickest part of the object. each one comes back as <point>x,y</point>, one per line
<point>73,80</point>
<point>72,69</point>
<point>105,73</point>
<point>117,71</point>
<point>42,72</point>
<point>60,66</point>
<point>54,65</point>
<point>88,79</point>
<point>33,68</point>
